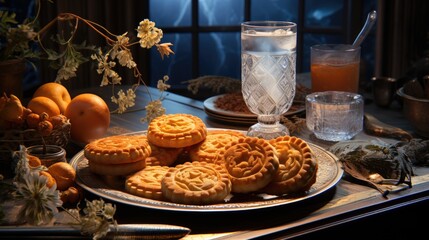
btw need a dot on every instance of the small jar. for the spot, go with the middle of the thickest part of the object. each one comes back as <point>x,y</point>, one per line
<point>53,154</point>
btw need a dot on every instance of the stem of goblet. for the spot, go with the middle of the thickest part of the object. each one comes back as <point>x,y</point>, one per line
<point>268,119</point>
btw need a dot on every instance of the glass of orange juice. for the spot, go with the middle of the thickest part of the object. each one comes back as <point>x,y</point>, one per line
<point>335,67</point>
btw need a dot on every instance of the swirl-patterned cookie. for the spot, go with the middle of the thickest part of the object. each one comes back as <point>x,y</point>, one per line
<point>251,163</point>
<point>216,140</point>
<point>298,166</point>
<point>196,183</point>
<point>147,182</point>
<point>176,130</point>
<point>118,149</point>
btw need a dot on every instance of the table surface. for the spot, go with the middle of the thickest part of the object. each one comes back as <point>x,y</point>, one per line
<point>346,202</point>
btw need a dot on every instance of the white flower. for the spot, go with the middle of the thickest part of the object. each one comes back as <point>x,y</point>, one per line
<point>105,68</point>
<point>124,101</point>
<point>97,218</point>
<point>162,86</point>
<point>67,71</point>
<point>125,58</point>
<point>153,109</point>
<point>164,49</point>
<point>121,51</point>
<point>39,201</point>
<point>149,35</point>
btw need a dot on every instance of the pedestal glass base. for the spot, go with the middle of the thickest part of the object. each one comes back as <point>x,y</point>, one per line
<point>267,131</point>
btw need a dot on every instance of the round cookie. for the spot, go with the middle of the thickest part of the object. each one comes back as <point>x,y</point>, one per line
<point>118,149</point>
<point>123,169</point>
<point>196,183</point>
<point>251,163</point>
<point>147,182</point>
<point>216,140</point>
<point>176,130</point>
<point>162,156</point>
<point>298,166</point>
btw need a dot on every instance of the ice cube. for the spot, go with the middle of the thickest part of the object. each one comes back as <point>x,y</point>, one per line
<point>280,32</point>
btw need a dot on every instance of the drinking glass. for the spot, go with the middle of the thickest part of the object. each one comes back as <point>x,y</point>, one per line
<point>268,73</point>
<point>334,115</point>
<point>335,67</point>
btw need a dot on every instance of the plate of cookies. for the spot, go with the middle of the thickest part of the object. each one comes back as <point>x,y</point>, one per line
<point>179,164</point>
<point>230,107</point>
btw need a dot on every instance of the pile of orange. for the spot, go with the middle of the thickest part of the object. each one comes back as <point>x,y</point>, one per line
<point>52,104</point>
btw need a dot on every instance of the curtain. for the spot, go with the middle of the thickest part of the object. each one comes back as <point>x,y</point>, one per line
<point>402,36</point>
<point>116,16</point>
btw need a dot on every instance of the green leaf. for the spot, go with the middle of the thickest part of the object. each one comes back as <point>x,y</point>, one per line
<point>6,20</point>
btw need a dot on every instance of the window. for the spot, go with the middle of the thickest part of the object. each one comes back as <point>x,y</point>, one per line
<point>206,33</point>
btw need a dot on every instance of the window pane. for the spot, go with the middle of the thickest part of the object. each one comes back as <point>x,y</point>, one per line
<point>220,12</point>
<point>279,10</point>
<point>220,54</point>
<point>313,39</point>
<point>177,66</point>
<point>168,13</point>
<point>327,13</point>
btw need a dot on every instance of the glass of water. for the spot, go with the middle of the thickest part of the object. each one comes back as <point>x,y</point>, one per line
<point>268,73</point>
<point>334,115</point>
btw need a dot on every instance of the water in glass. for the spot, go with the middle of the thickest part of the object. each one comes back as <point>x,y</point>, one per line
<point>333,115</point>
<point>268,74</point>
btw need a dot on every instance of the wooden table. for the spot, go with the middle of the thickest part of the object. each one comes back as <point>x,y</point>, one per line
<point>349,208</point>
<point>345,206</point>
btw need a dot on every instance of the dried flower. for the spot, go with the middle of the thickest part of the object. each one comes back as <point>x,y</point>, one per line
<point>105,67</point>
<point>70,55</point>
<point>97,218</point>
<point>124,100</point>
<point>149,35</point>
<point>162,85</point>
<point>154,108</point>
<point>39,202</point>
<point>164,49</point>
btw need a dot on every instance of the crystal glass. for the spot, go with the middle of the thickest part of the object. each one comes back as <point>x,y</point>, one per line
<point>268,73</point>
<point>334,115</point>
<point>335,67</point>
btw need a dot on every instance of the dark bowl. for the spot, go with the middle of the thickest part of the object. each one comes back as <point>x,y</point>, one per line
<point>416,111</point>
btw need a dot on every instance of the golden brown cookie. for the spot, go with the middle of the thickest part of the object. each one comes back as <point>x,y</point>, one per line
<point>176,130</point>
<point>196,183</point>
<point>123,169</point>
<point>147,182</point>
<point>208,150</point>
<point>251,163</point>
<point>118,149</point>
<point>162,156</point>
<point>298,166</point>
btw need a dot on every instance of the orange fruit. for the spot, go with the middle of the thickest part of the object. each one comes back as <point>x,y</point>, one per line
<point>89,117</point>
<point>34,161</point>
<point>45,128</point>
<point>43,104</point>
<point>51,180</point>
<point>56,92</point>
<point>64,175</point>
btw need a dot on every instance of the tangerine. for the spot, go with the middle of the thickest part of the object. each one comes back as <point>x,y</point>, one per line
<point>43,104</point>
<point>89,117</point>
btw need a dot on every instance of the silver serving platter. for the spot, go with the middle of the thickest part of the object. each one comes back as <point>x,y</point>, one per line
<point>328,174</point>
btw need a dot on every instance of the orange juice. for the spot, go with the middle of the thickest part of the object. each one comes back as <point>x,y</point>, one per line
<point>335,77</point>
